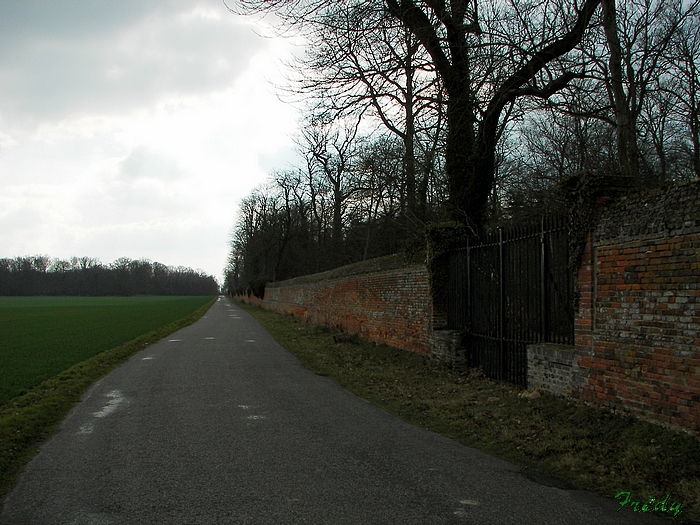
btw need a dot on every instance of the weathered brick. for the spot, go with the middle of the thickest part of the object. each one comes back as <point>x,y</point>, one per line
<point>647,280</point>
<point>391,306</point>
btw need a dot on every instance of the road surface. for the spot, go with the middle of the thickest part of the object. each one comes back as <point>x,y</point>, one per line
<point>218,424</point>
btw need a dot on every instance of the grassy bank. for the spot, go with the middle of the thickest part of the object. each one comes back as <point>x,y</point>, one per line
<point>576,446</point>
<point>29,419</point>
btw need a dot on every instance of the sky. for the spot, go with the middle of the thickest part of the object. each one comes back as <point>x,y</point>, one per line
<point>133,128</point>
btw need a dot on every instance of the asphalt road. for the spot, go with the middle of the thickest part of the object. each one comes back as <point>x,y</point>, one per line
<point>219,424</point>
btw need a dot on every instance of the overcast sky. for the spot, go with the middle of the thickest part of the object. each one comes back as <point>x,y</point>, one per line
<point>132,128</point>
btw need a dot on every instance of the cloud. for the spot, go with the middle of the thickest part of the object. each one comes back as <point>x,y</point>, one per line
<point>142,162</point>
<point>133,128</point>
<point>72,58</point>
<point>5,141</point>
<point>124,191</point>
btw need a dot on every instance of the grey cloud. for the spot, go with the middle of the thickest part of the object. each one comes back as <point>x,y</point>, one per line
<point>116,197</point>
<point>70,58</point>
<point>144,163</point>
<point>24,21</point>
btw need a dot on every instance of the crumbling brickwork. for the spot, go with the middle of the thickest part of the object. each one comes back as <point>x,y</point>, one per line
<point>638,323</point>
<point>553,368</point>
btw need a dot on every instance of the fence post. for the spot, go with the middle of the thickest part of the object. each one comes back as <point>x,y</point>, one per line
<point>544,328</point>
<point>468,315</point>
<point>502,303</point>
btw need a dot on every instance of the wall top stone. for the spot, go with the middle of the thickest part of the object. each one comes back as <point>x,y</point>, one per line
<point>654,212</point>
<point>379,264</point>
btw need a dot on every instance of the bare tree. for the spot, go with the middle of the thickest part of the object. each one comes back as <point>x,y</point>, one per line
<point>542,150</point>
<point>332,150</point>
<point>487,55</point>
<point>361,61</point>
<point>379,190</point>
<point>664,134</point>
<point>638,34</point>
<point>486,62</point>
<point>286,228</point>
<point>684,83</point>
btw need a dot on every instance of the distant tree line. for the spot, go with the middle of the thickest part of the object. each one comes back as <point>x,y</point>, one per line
<point>87,276</point>
<point>471,111</point>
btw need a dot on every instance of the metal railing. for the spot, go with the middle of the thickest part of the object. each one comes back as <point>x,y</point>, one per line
<point>510,289</point>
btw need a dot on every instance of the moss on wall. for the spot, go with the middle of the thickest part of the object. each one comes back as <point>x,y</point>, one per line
<point>441,238</point>
<point>585,193</point>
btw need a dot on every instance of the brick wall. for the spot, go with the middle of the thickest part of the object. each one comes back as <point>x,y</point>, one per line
<point>552,368</point>
<point>386,300</point>
<point>637,340</point>
<point>638,324</point>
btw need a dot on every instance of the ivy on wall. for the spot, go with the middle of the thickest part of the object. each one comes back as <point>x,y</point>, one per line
<point>585,193</point>
<point>441,238</point>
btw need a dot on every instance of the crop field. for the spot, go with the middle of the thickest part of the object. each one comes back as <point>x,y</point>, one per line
<point>42,336</point>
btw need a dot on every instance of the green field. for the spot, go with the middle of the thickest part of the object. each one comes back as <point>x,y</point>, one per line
<point>42,336</point>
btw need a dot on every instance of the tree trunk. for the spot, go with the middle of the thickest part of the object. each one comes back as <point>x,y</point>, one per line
<point>627,151</point>
<point>460,156</point>
<point>408,140</point>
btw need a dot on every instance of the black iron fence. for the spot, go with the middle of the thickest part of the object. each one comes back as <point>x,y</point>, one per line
<point>511,289</point>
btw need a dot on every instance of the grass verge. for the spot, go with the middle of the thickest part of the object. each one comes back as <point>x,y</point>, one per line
<point>29,419</point>
<point>582,447</point>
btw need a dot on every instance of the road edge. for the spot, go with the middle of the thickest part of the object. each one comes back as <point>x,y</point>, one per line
<point>29,420</point>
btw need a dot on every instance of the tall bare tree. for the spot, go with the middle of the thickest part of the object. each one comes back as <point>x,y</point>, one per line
<point>332,148</point>
<point>487,55</point>
<point>684,83</point>
<point>638,34</point>
<point>362,61</point>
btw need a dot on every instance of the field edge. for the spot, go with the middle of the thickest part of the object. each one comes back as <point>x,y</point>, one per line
<point>28,420</point>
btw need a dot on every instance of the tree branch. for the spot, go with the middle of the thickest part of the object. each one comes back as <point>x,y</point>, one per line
<point>418,22</point>
<point>511,87</point>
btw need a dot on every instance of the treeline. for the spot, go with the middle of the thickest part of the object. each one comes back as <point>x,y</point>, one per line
<point>86,276</point>
<point>349,205</point>
<point>474,112</point>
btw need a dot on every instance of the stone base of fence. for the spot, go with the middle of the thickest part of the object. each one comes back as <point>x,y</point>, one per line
<point>552,368</point>
<point>448,346</point>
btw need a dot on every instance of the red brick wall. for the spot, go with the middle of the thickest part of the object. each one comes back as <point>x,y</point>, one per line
<point>380,302</point>
<point>638,324</point>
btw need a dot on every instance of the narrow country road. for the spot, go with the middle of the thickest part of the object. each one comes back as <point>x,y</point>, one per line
<point>218,424</point>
